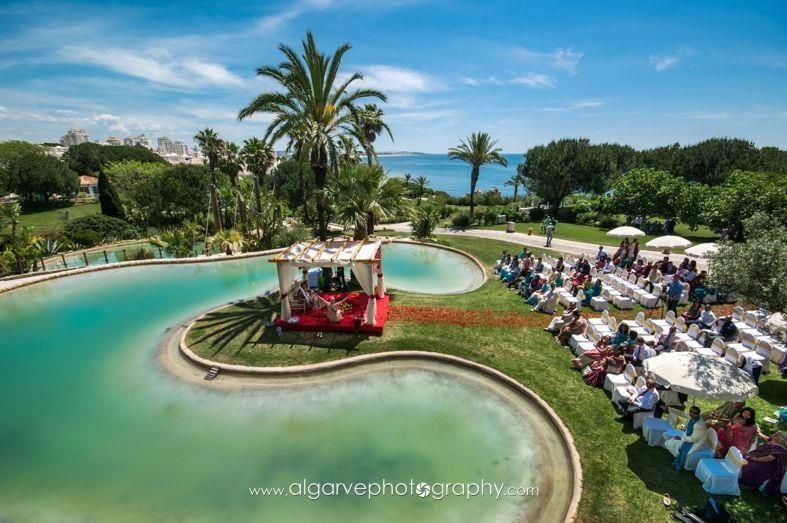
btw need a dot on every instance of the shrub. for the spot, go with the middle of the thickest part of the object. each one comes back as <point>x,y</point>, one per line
<point>586,218</point>
<point>567,215</point>
<point>97,228</point>
<point>606,221</point>
<point>461,220</point>
<point>537,214</point>
<point>139,254</point>
<point>286,236</point>
<point>425,220</point>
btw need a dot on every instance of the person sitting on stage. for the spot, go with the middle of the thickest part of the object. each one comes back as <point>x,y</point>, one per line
<point>332,308</point>
<point>308,296</point>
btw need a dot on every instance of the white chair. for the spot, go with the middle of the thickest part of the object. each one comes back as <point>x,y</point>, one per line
<point>690,343</point>
<point>777,350</point>
<point>620,392</point>
<point>598,303</point>
<point>648,300</point>
<point>680,323</point>
<point>707,452</point>
<point>737,313</point>
<point>582,347</point>
<point>735,352</point>
<point>662,325</point>
<point>653,430</point>
<point>718,347</point>
<point>640,418</point>
<point>720,476</point>
<point>576,339</point>
<point>618,380</point>
<point>751,318</point>
<point>623,302</point>
<point>764,350</point>
<point>684,297</point>
<point>603,319</point>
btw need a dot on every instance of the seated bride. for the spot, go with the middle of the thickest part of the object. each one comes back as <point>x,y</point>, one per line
<point>333,308</point>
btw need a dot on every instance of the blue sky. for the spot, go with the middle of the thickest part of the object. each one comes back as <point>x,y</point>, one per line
<point>645,73</point>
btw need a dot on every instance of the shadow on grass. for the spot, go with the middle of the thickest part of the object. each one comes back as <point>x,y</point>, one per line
<point>244,324</point>
<point>774,391</point>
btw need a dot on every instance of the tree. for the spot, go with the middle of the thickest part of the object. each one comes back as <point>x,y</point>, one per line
<point>9,151</point>
<point>88,158</point>
<point>691,204</point>
<point>516,180</point>
<point>176,194</point>
<point>407,178</point>
<point>562,167</point>
<point>259,157</point>
<point>425,220</point>
<point>210,143</point>
<point>108,198</point>
<point>646,192</point>
<point>362,194</point>
<point>478,150</point>
<point>369,120</point>
<point>420,187</point>
<point>313,106</point>
<point>34,175</point>
<point>756,267</point>
<point>741,196</point>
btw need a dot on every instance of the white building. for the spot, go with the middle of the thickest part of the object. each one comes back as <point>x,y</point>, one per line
<point>165,146</point>
<point>142,140</point>
<point>113,141</point>
<point>74,137</point>
<point>181,148</point>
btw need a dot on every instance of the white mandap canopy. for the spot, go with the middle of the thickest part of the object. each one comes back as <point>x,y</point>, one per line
<point>700,376</point>
<point>364,257</point>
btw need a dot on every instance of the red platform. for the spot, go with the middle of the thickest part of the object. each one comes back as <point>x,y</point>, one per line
<point>317,320</point>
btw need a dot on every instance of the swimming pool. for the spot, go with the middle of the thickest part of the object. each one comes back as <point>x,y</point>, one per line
<point>94,428</point>
<point>424,269</point>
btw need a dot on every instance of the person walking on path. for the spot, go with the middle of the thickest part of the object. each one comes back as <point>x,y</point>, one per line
<point>550,233</point>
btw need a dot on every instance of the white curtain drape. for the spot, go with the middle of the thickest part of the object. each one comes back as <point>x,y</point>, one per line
<point>364,272</point>
<point>286,275</point>
<point>380,282</point>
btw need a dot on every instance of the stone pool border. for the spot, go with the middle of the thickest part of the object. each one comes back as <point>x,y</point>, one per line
<point>311,369</point>
<point>20,281</point>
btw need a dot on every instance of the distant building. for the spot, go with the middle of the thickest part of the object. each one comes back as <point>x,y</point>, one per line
<point>74,137</point>
<point>181,148</point>
<point>114,141</point>
<point>142,140</point>
<point>165,146</point>
<point>88,185</point>
<point>57,150</point>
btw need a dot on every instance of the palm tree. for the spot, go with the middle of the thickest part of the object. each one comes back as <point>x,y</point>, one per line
<point>407,178</point>
<point>232,164</point>
<point>314,105</point>
<point>258,156</point>
<point>516,180</point>
<point>10,213</point>
<point>362,194</point>
<point>479,149</point>
<point>210,143</point>
<point>420,187</point>
<point>370,122</point>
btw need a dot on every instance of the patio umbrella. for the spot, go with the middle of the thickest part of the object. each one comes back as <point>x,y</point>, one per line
<point>701,376</point>
<point>668,242</point>
<point>625,231</point>
<point>702,250</point>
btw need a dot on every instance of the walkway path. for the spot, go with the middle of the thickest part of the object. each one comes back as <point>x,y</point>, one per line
<point>566,246</point>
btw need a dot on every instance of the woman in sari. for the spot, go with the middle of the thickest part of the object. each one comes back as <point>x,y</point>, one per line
<point>592,292</point>
<point>764,468</point>
<point>598,353</point>
<point>740,433</point>
<point>536,296</point>
<point>598,370</point>
<point>621,335</point>
<point>548,301</point>
<point>577,325</point>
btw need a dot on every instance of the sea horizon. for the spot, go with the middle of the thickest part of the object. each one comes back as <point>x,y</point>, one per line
<point>451,176</point>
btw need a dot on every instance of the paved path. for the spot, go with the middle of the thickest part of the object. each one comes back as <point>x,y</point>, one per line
<point>564,246</point>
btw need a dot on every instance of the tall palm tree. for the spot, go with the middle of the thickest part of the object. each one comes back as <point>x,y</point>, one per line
<point>10,213</point>
<point>370,122</point>
<point>259,157</point>
<point>232,164</point>
<point>210,143</point>
<point>420,187</point>
<point>314,103</point>
<point>407,178</point>
<point>479,149</point>
<point>361,194</point>
<point>516,180</point>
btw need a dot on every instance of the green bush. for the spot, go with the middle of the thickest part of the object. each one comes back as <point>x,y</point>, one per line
<point>606,221</point>
<point>461,220</point>
<point>587,218</point>
<point>567,215</point>
<point>425,220</point>
<point>537,214</point>
<point>97,228</point>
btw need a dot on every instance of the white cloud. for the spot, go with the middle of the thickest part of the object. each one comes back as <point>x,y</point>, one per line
<point>564,59</point>
<point>574,106</point>
<point>275,21</point>
<point>536,80</point>
<point>480,81</point>
<point>662,63</point>
<point>155,67</point>
<point>709,116</point>
<point>390,79</point>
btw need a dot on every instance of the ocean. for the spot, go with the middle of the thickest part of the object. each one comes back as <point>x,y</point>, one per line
<point>452,176</point>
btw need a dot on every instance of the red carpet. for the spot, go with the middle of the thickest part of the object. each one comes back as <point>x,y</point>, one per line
<point>318,320</point>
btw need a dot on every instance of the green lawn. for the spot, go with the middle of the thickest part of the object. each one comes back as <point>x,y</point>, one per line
<point>54,219</point>
<point>592,234</point>
<point>624,479</point>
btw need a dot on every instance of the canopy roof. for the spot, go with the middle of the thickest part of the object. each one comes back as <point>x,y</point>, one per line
<point>622,232</point>
<point>330,253</point>
<point>700,376</point>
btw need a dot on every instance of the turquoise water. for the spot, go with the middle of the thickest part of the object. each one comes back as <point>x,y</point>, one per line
<point>93,429</point>
<point>429,270</point>
<point>453,176</point>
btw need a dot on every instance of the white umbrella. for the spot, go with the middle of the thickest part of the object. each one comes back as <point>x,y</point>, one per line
<point>668,242</point>
<point>625,231</point>
<point>701,376</point>
<point>702,250</point>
